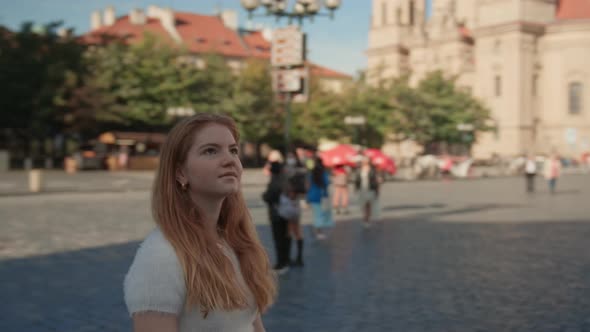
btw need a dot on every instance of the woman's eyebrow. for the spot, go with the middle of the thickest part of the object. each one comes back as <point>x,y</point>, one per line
<point>216,145</point>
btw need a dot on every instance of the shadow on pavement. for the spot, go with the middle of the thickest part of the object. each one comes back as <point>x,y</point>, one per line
<point>404,275</point>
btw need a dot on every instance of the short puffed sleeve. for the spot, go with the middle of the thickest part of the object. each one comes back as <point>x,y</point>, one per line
<point>155,279</point>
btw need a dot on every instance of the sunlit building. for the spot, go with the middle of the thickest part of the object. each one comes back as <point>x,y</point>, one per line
<point>527,60</point>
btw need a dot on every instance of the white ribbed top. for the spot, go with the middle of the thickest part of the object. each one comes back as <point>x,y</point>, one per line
<point>155,282</point>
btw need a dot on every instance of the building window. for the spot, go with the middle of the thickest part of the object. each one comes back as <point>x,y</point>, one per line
<point>383,13</point>
<point>534,85</point>
<point>412,12</point>
<point>498,85</point>
<point>575,98</point>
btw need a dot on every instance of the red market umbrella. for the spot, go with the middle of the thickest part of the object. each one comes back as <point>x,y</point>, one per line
<point>343,154</point>
<point>381,161</point>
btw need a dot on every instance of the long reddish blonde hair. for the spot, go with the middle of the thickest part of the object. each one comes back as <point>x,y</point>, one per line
<point>209,276</point>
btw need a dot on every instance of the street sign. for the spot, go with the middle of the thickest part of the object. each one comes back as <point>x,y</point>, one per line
<point>465,127</point>
<point>354,120</point>
<point>288,47</point>
<point>286,80</point>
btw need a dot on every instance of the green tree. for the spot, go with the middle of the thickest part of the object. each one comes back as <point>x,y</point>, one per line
<point>137,84</point>
<point>35,64</point>
<point>432,112</point>
<point>321,117</point>
<point>257,115</point>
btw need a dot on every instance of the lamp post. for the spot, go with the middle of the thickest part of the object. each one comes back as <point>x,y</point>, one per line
<point>297,11</point>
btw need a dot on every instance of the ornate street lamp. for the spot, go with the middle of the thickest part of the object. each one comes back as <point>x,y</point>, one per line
<point>299,10</point>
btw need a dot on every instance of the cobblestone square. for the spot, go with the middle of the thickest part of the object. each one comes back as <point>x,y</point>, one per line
<point>477,255</point>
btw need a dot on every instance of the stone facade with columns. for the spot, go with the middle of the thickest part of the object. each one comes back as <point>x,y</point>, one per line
<point>527,60</point>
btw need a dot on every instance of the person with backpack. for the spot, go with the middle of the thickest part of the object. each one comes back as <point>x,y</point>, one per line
<point>278,225</point>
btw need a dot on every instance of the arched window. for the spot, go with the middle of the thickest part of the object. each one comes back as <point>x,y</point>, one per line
<point>575,97</point>
<point>383,13</point>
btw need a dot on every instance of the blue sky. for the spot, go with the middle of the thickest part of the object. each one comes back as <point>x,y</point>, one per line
<point>338,44</point>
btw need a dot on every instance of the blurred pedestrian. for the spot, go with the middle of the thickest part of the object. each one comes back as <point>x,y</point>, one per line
<point>446,166</point>
<point>274,156</point>
<point>341,193</point>
<point>318,198</point>
<point>530,171</point>
<point>552,171</point>
<point>367,185</point>
<point>203,267</point>
<point>290,212</point>
<point>296,173</point>
<point>123,158</point>
<point>278,225</point>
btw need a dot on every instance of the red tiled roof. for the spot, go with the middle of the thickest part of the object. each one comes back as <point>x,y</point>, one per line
<point>204,33</point>
<point>573,9</point>
<point>132,33</point>
<point>317,70</point>
<point>5,31</point>
<point>258,46</point>
<point>200,34</point>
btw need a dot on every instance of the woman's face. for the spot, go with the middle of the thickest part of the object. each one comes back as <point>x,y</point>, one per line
<point>212,167</point>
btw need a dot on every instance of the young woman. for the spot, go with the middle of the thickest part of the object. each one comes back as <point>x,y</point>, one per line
<point>552,171</point>
<point>340,180</point>
<point>203,267</point>
<point>367,184</point>
<point>319,182</point>
<point>290,212</point>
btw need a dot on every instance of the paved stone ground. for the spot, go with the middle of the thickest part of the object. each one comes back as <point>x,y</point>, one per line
<point>475,255</point>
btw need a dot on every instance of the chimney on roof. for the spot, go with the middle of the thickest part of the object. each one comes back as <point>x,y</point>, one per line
<point>109,17</point>
<point>95,20</point>
<point>64,32</point>
<point>137,16</point>
<point>229,18</point>
<point>267,34</point>
<point>166,17</point>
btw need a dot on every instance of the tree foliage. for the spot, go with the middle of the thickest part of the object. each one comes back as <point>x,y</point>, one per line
<point>427,113</point>
<point>35,63</point>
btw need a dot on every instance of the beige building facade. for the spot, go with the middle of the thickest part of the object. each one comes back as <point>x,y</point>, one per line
<point>527,60</point>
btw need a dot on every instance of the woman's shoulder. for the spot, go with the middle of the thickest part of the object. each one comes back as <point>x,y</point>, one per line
<point>155,280</point>
<point>157,245</point>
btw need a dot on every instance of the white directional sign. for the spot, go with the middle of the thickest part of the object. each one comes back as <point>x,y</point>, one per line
<point>287,80</point>
<point>288,47</point>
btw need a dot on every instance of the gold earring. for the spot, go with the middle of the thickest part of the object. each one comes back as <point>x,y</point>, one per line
<point>184,185</point>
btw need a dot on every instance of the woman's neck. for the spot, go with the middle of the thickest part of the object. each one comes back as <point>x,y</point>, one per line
<point>210,208</point>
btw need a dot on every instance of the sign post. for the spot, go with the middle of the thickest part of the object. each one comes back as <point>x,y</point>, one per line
<point>288,73</point>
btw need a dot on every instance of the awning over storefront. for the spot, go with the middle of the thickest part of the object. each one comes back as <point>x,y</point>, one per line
<point>131,138</point>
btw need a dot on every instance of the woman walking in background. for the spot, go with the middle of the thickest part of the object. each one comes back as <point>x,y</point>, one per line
<point>318,199</point>
<point>340,195</point>
<point>278,225</point>
<point>290,211</point>
<point>530,171</point>
<point>552,172</point>
<point>367,184</point>
<point>202,268</point>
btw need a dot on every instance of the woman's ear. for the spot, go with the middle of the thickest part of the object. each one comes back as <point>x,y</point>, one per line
<point>180,177</point>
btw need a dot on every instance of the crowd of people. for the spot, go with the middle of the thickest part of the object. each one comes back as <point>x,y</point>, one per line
<point>303,181</point>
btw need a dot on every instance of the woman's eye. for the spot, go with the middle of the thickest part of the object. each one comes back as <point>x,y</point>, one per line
<point>235,151</point>
<point>209,151</point>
